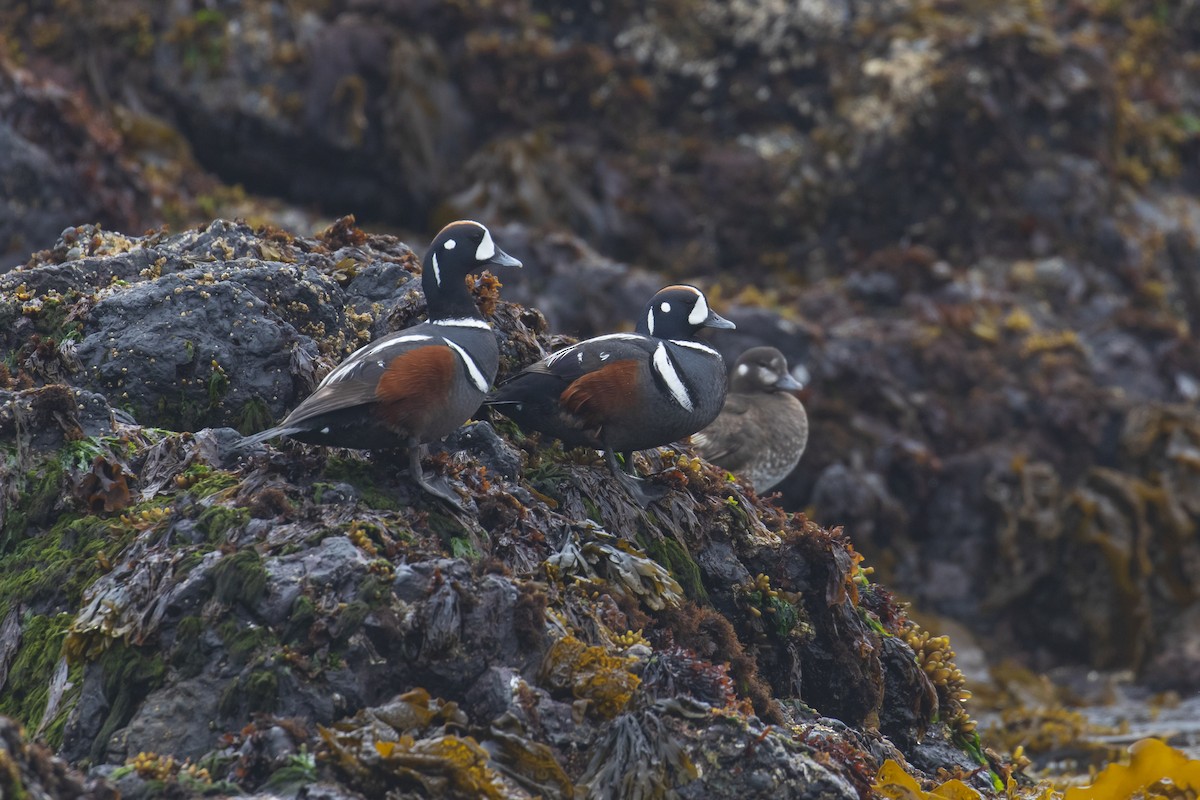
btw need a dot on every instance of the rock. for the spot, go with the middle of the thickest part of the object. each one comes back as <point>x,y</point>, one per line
<point>245,610</point>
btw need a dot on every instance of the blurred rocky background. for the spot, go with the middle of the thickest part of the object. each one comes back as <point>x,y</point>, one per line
<point>972,225</point>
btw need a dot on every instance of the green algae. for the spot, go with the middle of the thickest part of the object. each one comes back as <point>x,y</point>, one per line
<point>348,621</point>
<point>203,481</point>
<point>255,415</point>
<point>464,549</point>
<point>240,578</point>
<point>217,521</point>
<point>359,474</point>
<point>54,568</point>
<point>44,490</point>
<point>256,691</point>
<point>27,688</point>
<point>300,622</point>
<point>186,656</point>
<point>670,554</point>
<point>244,641</point>
<point>130,674</point>
<point>299,769</point>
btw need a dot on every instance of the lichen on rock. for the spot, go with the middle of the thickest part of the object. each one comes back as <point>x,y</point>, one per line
<point>503,652</point>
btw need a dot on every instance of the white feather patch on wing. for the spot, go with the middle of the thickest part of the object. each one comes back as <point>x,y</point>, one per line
<point>666,370</point>
<point>476,376</point>
<point>608,337</point>
<point>555,357</point>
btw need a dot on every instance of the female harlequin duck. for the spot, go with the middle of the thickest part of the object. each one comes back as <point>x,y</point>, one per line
<point>763,429</point>
<point>627,391</point>
<point>416,385</point>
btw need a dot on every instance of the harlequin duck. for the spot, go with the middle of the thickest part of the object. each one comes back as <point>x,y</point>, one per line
<point>415,385</point>
<point>762,431</point>
<point>626,391</point>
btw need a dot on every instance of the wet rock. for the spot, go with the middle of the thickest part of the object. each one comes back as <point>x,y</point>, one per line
<point>245,611</point>
<point>492,451</point>
<point>59,165</point>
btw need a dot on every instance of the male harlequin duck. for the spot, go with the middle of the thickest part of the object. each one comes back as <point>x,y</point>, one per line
<point>626,391</point>
<point>416,385</point>
<point>762,431</point>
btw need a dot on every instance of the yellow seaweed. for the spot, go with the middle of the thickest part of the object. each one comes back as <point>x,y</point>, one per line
<point>1154,763</point>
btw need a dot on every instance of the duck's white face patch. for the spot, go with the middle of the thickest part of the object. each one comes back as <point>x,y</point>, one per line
<point>767,376</point>
<point>743,369</point>
<point>699,311</point>
<point>666,370</point>
<point>437,273</point>
<point>450,244</point>
<point>487,248</point>
<point>666,307</point>
<point>476,376</point>
<point>650,321</point>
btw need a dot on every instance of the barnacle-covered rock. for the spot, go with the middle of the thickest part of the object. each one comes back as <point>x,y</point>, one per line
<point>176,611</point>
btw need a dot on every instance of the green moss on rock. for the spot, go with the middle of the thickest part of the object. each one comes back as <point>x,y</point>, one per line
<point>27,689</point>
<point>240,578</point>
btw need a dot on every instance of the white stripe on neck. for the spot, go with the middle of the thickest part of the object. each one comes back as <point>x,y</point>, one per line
<point>437,273</point>
<point>694,346</point>
<point>463,322</point>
